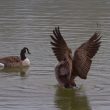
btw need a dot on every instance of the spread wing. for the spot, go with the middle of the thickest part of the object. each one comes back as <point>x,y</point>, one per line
<point>60,47</point>
<point>83,55</point>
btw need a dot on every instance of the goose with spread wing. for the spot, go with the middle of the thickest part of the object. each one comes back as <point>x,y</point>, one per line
<point>68,67</point>
<point>15,61</point>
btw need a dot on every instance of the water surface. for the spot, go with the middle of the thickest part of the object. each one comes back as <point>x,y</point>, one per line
<point>29,23</point>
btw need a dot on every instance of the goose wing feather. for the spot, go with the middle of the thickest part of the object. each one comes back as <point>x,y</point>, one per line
<point>83,56</point>
<point>59,46</point>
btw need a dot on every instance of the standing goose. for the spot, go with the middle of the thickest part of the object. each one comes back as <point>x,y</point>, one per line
<point>16,61</point>
<point>68,67</point>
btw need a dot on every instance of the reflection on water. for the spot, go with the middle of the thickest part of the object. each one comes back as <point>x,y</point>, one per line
<point>21,71</point>
<point>71,99</point>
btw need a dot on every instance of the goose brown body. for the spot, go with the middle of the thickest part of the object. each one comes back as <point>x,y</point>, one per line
<point>16,61</point>
<point>69,67</point>
<point>11,61</point>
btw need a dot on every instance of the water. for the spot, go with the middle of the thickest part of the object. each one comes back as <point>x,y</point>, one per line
<point>29,23</point>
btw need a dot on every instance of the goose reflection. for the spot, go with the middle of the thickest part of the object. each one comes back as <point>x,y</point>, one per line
<point>21,71</point>
<point>71,99</point>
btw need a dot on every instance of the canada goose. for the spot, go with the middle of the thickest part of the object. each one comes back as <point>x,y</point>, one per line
<point>68,67</point>
<point>16,61</point>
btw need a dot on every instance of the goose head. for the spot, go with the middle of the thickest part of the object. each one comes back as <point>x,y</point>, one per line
<point>23,52</point>
<point>25,61</point>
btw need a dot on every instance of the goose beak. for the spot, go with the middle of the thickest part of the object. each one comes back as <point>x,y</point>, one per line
<point>29,53</point>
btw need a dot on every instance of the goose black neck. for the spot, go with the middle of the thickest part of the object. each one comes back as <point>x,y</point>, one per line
<point>22,55</point>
